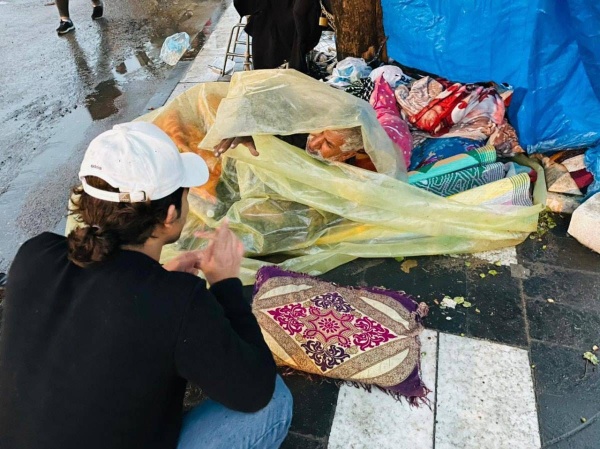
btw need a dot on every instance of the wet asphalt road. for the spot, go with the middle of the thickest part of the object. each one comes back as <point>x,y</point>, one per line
<point>57,93</point>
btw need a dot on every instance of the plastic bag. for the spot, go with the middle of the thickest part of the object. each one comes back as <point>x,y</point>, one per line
<point>174,47</point>
<point>312,214</point>
<point>348,71</point>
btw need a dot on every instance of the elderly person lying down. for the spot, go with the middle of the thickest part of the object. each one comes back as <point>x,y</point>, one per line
<point>342,145</point>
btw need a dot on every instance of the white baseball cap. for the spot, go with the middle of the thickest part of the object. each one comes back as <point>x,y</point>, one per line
<point>140,160</point>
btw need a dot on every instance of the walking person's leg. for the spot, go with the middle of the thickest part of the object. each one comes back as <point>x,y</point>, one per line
<point>213,426</point>
<point>98,9</point>
<point>66,24</point>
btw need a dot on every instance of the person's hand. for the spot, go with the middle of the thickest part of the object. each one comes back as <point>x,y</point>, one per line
<point>233,142</point>
<point>223,256</point>
<point>188,262</point>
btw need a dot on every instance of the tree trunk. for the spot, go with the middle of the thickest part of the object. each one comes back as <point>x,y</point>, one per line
<point>359,26</point>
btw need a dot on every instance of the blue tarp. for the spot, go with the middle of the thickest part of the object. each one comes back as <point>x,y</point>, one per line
<point>548,50</point>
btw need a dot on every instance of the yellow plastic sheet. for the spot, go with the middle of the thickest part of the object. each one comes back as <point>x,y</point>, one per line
<point>315,215</point>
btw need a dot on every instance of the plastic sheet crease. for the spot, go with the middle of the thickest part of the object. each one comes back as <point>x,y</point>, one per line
<point>311,214</point>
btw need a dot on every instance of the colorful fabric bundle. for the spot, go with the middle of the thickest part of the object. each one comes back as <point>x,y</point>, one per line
<point>459,181</point>
<point>441,107</point>
<point>513,191</point>
<point>566,172</point>
<point>506,141</point>
<point>433,150</point>
<point>367,336</point>
<point>479,156</point>
<point>388,116</point>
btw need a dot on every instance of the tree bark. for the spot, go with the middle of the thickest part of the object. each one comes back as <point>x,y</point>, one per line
<point>359,26</point>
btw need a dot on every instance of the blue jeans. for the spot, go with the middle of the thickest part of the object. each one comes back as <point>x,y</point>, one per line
<point>210,425</point>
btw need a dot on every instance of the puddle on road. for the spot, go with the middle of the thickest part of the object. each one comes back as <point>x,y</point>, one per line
<point>101,103</point>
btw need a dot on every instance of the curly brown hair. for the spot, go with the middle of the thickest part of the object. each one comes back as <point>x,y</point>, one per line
<point>106,226</point>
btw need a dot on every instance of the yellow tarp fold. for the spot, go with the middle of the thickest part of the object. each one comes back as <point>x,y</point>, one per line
<point>319,215</point>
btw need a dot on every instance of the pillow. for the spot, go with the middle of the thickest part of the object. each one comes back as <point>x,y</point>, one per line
<point>360,335</point>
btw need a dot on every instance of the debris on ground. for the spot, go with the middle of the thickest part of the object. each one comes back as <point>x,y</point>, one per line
<point>519,271</point>
<point>591,357</point>
<point>595,348</point>
<point>399,259</point>
<point>493,272</point>
<point>408,264</point>
<point>583,420</point>
<point>448,302</point>
<point>545,223</point>
<point>550,300</point>
<point>482,275</point>
<point>467,264</point>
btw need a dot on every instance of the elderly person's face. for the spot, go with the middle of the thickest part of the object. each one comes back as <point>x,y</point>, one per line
<point>335,145</point>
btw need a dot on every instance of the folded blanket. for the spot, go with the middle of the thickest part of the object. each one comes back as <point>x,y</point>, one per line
<point>513,191</point>
<point>442,107</point>
<point>388,116</point>
<point>459,181</point>
<point>479,156</point>
<point>432,150</point>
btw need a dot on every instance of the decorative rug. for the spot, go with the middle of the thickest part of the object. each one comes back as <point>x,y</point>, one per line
<point>367,336</point>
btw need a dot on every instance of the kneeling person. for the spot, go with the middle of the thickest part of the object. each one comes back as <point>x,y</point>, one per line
<point>99,340</point>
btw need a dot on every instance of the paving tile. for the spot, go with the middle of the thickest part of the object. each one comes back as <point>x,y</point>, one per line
<point>565,396</point>
<point>564,252</point>
<point>180,88</point>
<point>586,437</point>
<point>297,441</point>
<point>498,298</point>
<point>314,405</point>
<point>485,396</point>
<point>433,278</point>
<point>564,325</point>
<point>574,288</point>
<point>376,420</point>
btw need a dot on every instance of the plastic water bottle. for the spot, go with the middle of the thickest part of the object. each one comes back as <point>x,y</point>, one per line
<point>174,47</point>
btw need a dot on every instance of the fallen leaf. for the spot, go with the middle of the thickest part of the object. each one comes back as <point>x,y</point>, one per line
<point>448,318</point>
<point>462,335</point>
<point>591,358</point>
<point>399,259</point>
<point>545,246</point>
<point>595,348</point>
<point>493,272</point>
<point>583,420</point>
<point>481,275</point>
<point>408,264</point>
<point>466,304</point>
<point>467,264</point>
<point>436,301</point>
<point>477,310</point>
<point>459,299</point>
<point>532,366</point>
<point>551,301</point>
<point>498,264</point>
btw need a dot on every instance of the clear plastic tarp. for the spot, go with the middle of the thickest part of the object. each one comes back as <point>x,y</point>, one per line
<point>312,215</point>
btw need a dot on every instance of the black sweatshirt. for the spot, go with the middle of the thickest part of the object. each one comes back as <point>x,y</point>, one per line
<point>99,357</point>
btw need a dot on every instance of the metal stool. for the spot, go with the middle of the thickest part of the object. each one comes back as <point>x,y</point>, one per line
<point>232,53</point>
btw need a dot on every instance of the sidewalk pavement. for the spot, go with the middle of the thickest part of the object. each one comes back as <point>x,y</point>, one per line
<point>510,376</point>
